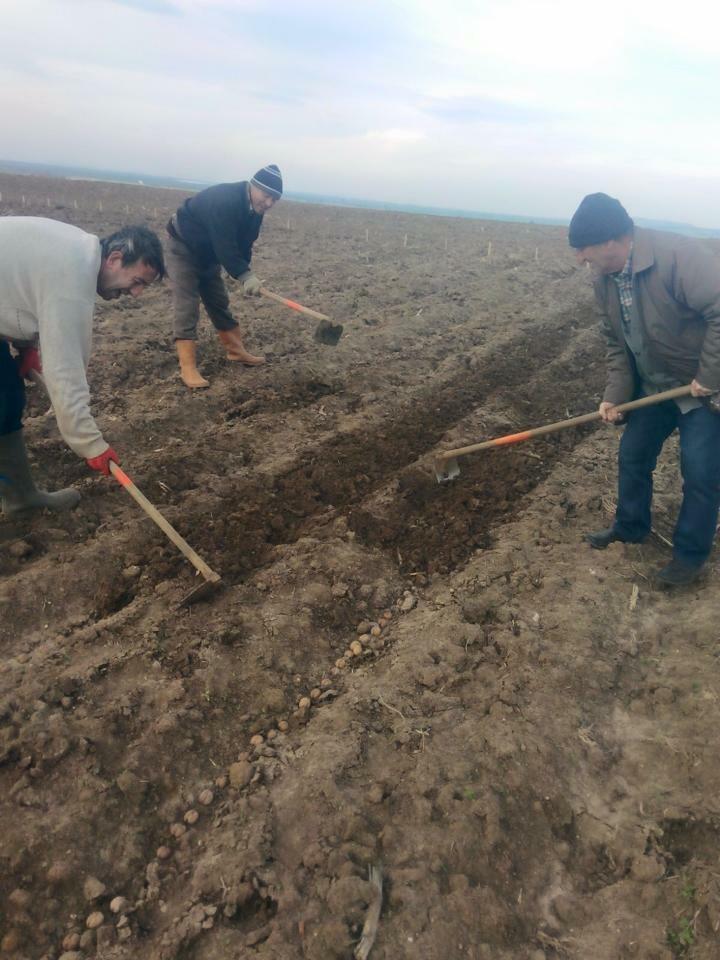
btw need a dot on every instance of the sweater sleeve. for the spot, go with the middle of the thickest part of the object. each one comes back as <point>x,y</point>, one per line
<point>250,239</point>
<point>220,222</point>
<point>65,328</point>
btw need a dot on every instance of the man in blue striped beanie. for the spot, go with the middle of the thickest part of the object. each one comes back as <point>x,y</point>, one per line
<point>216,228</point>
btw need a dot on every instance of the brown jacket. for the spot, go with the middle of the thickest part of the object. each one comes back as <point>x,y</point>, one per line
<point>676,301</point>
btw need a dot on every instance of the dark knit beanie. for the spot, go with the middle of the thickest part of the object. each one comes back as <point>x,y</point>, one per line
<point>599,218</point>
<point>269,180</point>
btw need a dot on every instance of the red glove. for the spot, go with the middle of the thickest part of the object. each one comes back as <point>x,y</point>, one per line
<point>102,462</point>
<point>28,359</point>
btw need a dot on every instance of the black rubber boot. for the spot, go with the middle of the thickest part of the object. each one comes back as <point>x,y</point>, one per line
<point>677,574</point>
<point>16,484</point>
<point>603,538</point>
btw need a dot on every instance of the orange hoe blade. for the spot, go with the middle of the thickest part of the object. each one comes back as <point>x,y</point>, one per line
<point>446,464</point>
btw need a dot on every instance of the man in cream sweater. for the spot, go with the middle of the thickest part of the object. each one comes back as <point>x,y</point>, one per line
<point>50,274</point>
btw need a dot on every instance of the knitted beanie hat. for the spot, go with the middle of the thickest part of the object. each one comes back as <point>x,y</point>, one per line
<point>599,218</point>
<point>269,180</point>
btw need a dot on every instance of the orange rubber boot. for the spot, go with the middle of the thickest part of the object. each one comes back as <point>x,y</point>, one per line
<point>232,341</point>
<point>191,376</point>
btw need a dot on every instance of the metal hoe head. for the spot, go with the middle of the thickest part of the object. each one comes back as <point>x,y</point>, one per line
<point>202,591</point>
<point>446,469</point>
<point>328,333</point>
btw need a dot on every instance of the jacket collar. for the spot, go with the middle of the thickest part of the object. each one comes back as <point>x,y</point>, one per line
<point>643,255</point>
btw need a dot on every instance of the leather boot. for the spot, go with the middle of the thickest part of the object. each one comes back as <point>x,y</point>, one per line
<point>191,376</point>
<point>678,574</point>
<point>16,484</point>
<point>232,341</point>
<point>603,538</point>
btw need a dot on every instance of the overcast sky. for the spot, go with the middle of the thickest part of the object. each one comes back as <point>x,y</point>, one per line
<point>507,106</point>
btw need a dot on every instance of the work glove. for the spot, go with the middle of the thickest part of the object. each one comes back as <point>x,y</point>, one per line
<point>251,285</point>
<point>27,360</point>
<point>101,463</point>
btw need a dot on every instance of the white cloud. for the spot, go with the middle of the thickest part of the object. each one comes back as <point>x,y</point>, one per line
<point>396,136</point>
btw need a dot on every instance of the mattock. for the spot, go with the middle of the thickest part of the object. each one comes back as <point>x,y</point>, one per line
<point>326,331</point>
<point>446,464</point>
<point>211,580</point>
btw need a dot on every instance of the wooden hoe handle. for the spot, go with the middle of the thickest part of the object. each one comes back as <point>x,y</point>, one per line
<point>292,304</point>
<point>563,424</point>
<point>124,480</point>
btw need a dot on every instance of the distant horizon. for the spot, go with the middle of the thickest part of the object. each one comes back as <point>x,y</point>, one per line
<point>135,178</point>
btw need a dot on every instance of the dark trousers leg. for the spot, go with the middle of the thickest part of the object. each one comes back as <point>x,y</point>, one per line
<point>184,281</point>
<point>700,465</point>
<point>214,296</point>
<point>641,443</point>
<point>12,392</point>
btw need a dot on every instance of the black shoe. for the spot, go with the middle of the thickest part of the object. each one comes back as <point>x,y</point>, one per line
<point>603,538</point>
<point>677,574</point>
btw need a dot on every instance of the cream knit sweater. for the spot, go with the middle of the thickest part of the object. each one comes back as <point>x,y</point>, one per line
<point>48,281</point>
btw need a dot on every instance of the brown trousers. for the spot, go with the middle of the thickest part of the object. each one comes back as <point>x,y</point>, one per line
<point>191,284</point>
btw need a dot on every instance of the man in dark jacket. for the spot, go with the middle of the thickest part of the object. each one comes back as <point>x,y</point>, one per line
<point>659,297</point>
<point>216,228</point>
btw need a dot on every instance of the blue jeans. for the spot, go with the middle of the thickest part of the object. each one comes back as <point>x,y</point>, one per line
<point>646,432</point>
<point>12,392</point>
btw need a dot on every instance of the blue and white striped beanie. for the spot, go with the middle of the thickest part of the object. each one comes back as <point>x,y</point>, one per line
<point>269,180</point>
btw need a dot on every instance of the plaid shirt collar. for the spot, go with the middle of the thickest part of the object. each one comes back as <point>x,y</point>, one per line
<point>623,282</point>
<point>627,271</point>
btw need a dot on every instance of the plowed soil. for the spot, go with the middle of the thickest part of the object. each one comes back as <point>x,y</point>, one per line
<point>523,738</point>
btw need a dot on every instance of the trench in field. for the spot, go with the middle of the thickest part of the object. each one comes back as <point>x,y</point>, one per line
<point>424,527</point>
<point>427,526</point>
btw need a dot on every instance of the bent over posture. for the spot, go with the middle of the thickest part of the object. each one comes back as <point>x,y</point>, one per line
<point>659,296</point>
<point>50,274</point>
<point>216,228</point>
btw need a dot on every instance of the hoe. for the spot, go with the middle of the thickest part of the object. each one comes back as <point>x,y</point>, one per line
<point>211,580</point>
<point>326,331</point>
<point>446,463</point>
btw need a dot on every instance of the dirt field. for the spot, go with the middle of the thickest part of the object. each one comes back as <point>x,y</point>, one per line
<point>527,740</point>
